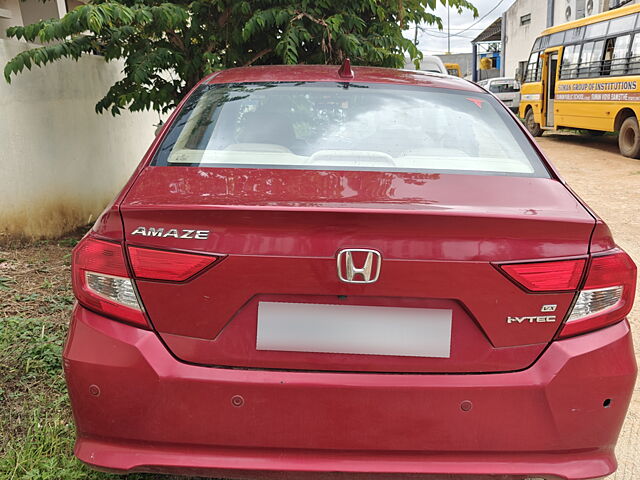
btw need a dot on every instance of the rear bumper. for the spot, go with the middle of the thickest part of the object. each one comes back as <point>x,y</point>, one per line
<point>139,409</point>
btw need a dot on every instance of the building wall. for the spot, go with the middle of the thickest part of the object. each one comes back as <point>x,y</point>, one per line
<point>25,12</point>
<point>569,10</point>
<point>35,10</point>
<point>10,15</point>
<point>519,38</point>
<point>61,162</point>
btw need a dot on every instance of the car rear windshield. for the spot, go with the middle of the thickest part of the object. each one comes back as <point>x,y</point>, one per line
<point>339,126</point>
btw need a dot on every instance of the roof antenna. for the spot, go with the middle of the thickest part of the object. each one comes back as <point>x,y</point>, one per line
<point>345,70</point>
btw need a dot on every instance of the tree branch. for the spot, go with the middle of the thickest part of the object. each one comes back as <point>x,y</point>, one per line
<point>176,41</point>
<point>257,56</point>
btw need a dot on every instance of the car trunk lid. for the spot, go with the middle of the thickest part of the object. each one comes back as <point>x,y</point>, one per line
<point>280,231</point>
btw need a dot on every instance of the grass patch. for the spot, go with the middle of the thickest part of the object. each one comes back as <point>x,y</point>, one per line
<point>37,428</point>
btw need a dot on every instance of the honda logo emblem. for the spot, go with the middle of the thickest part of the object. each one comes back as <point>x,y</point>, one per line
<point>368,272</point>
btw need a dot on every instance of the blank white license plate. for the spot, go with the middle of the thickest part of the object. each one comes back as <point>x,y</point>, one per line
<point>305,327</point>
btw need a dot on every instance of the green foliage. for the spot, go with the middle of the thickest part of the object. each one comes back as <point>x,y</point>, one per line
<point>169,46</point>
<point>4,283</point>
<point>31,348</point>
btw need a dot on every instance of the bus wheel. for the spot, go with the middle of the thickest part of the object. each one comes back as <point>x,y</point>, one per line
<point>629,138</point>
<point>530,123</point>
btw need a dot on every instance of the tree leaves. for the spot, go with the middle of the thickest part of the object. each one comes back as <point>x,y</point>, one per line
<point>167,47</point>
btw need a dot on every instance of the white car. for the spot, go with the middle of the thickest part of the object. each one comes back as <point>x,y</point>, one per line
<point>506,89</point>
<point>429,63</point>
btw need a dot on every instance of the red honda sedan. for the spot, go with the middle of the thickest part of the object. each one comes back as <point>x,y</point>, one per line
<point>362,271</point>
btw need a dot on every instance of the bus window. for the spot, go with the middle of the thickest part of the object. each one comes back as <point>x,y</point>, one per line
<point>608,55</point>
<point>453,69</point>
<point>622,24</point>
<point>570,58</point>
<point>534,71</point>
<point>544,42</point>
<point>596,30</point>
<point>590,59</point>
<point>619,57</point>
<point>634,56</point>
<point>556,39</point>
<point>575,35</point>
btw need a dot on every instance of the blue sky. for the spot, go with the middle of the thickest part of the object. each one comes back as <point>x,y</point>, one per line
<point>433,41</point>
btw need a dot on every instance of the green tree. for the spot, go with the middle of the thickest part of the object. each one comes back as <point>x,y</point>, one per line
<point>168,47</point>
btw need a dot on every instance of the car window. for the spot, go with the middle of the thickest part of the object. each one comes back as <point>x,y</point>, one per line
<point>507,86</point>
<point>348,126</point>
<point>431,66</point>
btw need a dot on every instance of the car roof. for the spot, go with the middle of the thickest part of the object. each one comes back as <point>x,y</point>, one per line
<point>329,73</point>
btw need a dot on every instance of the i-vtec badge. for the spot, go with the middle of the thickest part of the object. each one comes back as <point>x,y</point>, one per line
<point>547,319</point>
<point>171,233</point>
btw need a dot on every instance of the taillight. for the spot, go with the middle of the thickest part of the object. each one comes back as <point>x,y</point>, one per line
<point>101,281</point>
<point>607,294</point>
<point>164,265</point>
<point>556,276</point>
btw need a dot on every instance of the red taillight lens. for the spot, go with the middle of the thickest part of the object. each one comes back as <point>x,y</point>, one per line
<point>557,276</point>
<point>607,295</point>
<point>101,281</point>
<point>610,270</point>
<point>163,265</point>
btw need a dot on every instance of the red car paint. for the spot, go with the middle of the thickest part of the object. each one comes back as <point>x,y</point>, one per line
<point>162,399</point>
<point>433,228</point>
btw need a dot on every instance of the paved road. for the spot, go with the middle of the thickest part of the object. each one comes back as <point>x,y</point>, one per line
<point>610,184</point>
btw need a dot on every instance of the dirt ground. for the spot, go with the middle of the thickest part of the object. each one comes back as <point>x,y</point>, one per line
<point>610,184</point>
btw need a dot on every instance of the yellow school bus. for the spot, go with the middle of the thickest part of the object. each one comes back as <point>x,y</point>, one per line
<point>453,69</point>
<point>585,75</point>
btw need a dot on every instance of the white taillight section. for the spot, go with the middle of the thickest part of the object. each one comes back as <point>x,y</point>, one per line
<point>117,289</point>
<point>591,302</point>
